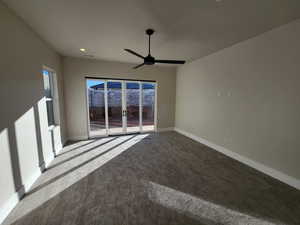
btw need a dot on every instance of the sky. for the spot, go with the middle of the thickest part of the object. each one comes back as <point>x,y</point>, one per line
<point>45,72</point>
<point>93,82</point>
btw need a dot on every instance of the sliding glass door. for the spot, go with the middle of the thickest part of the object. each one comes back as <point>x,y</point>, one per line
<point>133,96</point>
<point>96,107</point>
<point>148,106</point>
<point>119,107</point>
<point>115,107</point>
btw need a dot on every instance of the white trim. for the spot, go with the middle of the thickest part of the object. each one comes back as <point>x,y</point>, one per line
<point>165,129</point>
<point>88,110</point>
<point>49,69</point>
<point>54,94</point>
<point>59,149</point>
<point>51,127</point>
<point>49,160</point>
<point>292,181</point>
<point>48,99</point>
<point>124,106</point>
<point>11,203</point>
<point>8,206</point>
<point>30,181</point>
<point>140,107</point>
<point>106,107</point>
<point>87,107</point>
<point>155,106</point>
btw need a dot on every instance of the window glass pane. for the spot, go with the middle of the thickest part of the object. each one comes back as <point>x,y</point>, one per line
<point>133,106</point>
<point>47,83</point>
<point>148,104</point>
<point>114,99</point>
<point>50,113</point>
<point>47,77</point>
<point>96,107</point>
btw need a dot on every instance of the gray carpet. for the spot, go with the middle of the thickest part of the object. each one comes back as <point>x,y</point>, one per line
<point>162,178</point>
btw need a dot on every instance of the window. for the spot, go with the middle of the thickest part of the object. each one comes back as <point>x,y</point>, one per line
<point>49,90</point>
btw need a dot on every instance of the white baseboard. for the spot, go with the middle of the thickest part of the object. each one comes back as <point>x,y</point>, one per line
<point>11,203</point>
<point>49,160</point>
<point>294,182</point>
<point>30,181</point>
<point>83,138</point>
<point>14,199</point>
<point>58,151</point>
<point>58,148</point>
<point>165,129</point>
<point>8,206</point>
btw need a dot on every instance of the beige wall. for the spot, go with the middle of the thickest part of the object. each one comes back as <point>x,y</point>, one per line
<point>246,98</point>
<point>75,70</point>
<point>23,118</point>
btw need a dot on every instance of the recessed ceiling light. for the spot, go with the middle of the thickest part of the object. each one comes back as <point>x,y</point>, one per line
<point>218,0</point>
<point>83,50</point>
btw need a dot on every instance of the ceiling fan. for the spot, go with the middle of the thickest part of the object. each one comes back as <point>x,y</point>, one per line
<point>149,59</point>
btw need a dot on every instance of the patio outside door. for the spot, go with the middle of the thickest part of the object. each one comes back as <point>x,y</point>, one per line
<point>120,107</point>
<point>115,107</point>
<point>133,106</point>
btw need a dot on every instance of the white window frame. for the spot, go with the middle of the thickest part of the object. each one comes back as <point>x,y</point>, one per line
<point>54,96</point>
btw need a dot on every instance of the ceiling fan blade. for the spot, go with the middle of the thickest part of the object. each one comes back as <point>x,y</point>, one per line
<point>138,66</point>
<point>134,53</point>
<point>170,61</point>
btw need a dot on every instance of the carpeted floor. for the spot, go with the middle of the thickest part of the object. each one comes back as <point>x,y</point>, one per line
<point>153,179</point>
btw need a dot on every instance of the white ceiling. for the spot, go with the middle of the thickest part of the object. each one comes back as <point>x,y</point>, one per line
<point>185,29</point>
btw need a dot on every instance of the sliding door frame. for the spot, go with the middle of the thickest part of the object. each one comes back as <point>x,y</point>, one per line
<point>123,106</point>
<point>88,109</point>
<point>155,106</point>
<point>125,101</point>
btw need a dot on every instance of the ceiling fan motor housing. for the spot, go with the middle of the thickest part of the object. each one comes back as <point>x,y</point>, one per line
<point>149,31</point>
<point>149,60</point>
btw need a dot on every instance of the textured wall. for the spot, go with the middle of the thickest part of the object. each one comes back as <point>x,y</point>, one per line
<point>75,71</point>
<point>246,98</point>
<point>23,118</point>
